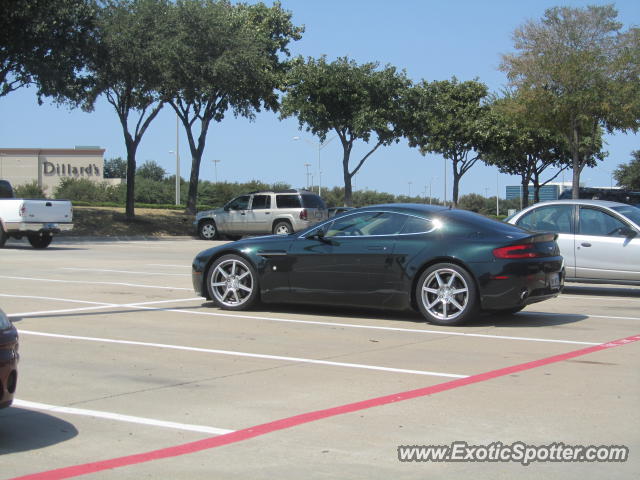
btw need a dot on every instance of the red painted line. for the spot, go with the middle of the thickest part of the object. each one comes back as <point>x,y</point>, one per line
<point>282,424</point>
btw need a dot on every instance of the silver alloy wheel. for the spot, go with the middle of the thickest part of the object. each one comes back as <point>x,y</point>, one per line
<point>232,283</point>
<point>445,294</point>
<point>282,228</point>
<point>208,231</point>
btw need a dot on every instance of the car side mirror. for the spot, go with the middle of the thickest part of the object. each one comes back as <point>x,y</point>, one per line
<point>318,234</point>
<point>627,232</point>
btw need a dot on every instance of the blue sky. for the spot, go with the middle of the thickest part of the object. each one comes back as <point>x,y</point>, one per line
<point>431,40</point>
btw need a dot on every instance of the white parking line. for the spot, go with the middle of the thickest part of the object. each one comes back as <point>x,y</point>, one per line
<point>242,354</point>
<point>593,297</point>
<point>119,418</point>
<point>124,271</point>
<point>85,282</point>
<point>144,306</point>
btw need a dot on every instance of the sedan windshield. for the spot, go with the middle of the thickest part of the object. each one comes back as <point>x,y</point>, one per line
<point>629,211</point>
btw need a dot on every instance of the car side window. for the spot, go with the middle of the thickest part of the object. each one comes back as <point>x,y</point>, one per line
<point>240,203</point>
<point>549,218</point>
<point>261,202</point>
<point>417,225</point>
<point>597,222</point>
<point>366,223</point>
<point>288,201</point>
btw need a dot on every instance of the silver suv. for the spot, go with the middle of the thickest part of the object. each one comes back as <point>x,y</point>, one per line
<point>259,213</point>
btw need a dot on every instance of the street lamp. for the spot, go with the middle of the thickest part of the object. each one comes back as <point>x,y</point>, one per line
<point>177,175</point>
<point>319,146</point>
<point>409,188</point>
<point>307,165</point>
<point>215,169</point>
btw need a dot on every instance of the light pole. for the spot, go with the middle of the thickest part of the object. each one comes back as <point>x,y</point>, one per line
<point>215,169</point>
<point>177,175</point>
<point>497,193</point>
<point>410,189</point>
<point>307,165</point>
<point>177,152</point>
<point>319,146</point>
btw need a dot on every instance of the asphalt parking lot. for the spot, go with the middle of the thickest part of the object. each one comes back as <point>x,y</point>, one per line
<point>125,374</point>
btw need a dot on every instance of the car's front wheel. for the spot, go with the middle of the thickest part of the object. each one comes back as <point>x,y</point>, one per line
<point>207,230</point>
<point>233,283</point>
<point>446,294</point>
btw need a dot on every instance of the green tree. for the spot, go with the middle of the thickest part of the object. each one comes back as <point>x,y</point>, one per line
<point>222,56</point>
<point>115,168</point>
<point>518,145</point>
<point>448,117</point>
<point>579,73</point>
<point>357,102</point>
<point>125,67</point>
<point>44,42</point>
<point>628,175</point>
<point>151,170</point>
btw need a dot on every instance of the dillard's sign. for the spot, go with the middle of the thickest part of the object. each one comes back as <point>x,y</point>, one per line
<point>68,170</point>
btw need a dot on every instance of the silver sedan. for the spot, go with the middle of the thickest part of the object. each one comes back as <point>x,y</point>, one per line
<point>599,240</point>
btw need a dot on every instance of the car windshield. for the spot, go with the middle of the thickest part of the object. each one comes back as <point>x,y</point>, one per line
<point>629,211</point>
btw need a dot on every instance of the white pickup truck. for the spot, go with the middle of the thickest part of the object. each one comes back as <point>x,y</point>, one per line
<point>38,220</point>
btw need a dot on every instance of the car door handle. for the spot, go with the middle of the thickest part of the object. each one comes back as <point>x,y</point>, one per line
<point>376,247</point>
<point>585,244</point>
<point>267,213</point>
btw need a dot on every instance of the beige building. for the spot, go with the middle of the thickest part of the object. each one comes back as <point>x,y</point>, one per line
<point>48,166</point>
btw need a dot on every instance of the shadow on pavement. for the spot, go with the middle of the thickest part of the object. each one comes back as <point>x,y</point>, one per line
<point>23,430</point>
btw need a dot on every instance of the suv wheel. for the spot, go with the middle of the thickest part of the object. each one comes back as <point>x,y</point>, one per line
<point>282,227</point>
<point>207,230</point>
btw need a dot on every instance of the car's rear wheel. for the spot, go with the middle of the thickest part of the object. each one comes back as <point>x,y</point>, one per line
<point>233,283</point>
<point>40,240</point>
<point>3,237</point>
<point>446,294</point>
<point>282,228</point>
<point>207,230</point>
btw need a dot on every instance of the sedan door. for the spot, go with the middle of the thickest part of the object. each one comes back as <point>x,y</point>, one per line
<point>606,247</point>
<point>350,262</point>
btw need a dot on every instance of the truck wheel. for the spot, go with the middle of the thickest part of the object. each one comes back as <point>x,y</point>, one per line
<point>283,227</point>
<point>207,230</point>
<point>40,240</point>
<point>3,237</point>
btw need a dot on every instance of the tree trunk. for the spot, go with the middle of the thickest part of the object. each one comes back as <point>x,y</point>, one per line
<point>348,190</point>
<point>575,154</point>
<point>132,146</point>
<point>456,183</point>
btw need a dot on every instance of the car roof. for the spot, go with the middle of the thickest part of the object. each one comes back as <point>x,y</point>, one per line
<point>406,207</point>
<point>582,201</point>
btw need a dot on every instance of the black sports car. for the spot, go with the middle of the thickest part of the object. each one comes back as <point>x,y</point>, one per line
<point>447,263</point>
<point>8,360</point>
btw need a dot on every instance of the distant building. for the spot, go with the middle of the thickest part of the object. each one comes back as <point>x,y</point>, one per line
<point>48,166</point>
<point>550,191</point>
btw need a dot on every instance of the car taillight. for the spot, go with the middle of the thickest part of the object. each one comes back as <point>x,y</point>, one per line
<point>303,214</point>
<point>517,251</point>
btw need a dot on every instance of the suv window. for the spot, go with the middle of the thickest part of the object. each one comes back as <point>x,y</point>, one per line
<point>5,189</point>
<point>240,203</point>
<point>550,218</point>
<point>261,202</point>
<point>287,201</point>
<point>309,200</point>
